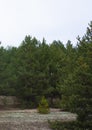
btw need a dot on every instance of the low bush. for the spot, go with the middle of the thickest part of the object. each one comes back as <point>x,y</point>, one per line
<point>73,125</point>
<point>43,107</point>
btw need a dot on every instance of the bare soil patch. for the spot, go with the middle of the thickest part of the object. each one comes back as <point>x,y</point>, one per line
<point>31,119</point>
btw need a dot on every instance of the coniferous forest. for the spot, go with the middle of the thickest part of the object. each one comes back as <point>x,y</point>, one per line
<point>56,71</point>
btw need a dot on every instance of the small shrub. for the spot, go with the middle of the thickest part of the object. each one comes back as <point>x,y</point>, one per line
<point>72,125</point>
<point>57,125</point>
<point>43,107</point>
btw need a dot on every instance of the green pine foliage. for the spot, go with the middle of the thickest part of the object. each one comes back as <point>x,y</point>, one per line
<point>43,107</point>
<point>78,87</point>
<point>56,71</point>
<point>71,125</point>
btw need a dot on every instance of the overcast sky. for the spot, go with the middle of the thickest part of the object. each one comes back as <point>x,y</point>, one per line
<point>52,19</point>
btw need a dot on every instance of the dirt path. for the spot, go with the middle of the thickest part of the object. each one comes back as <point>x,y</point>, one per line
<point>31,119</point>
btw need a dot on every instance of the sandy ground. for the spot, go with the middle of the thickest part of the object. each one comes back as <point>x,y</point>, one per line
<point>31,119</point>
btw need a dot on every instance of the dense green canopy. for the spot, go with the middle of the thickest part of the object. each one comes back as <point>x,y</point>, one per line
<point>36,69</point>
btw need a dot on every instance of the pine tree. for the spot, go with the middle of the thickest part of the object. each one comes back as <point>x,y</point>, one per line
<point>78,87</point>
<point>43,107</point>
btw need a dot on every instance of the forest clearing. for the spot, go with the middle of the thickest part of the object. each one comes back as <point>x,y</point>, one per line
<point>31,119</point>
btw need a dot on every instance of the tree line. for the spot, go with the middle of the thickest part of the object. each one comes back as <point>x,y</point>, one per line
<point>36,69</point>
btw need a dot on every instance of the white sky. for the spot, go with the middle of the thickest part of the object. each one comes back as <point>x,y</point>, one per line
<point>52,19</point>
